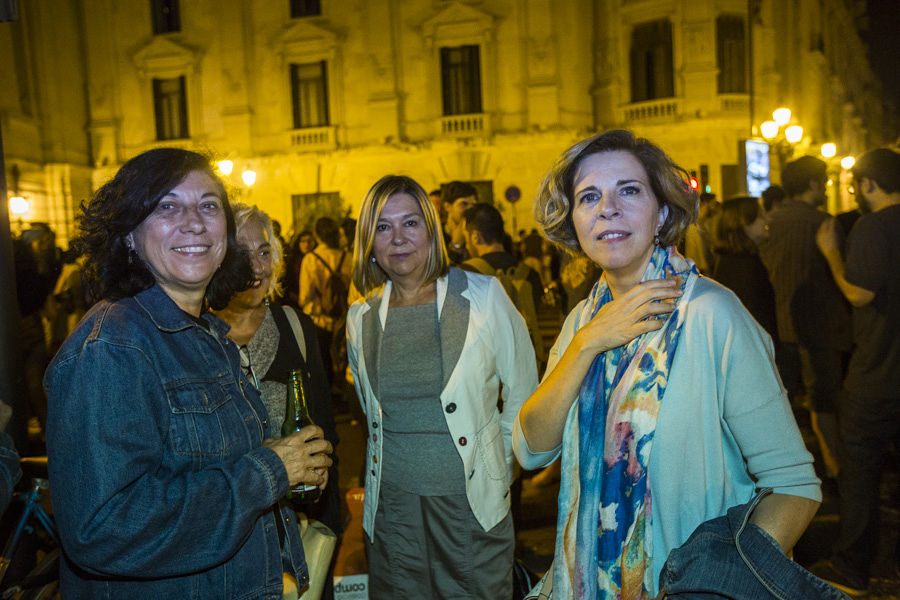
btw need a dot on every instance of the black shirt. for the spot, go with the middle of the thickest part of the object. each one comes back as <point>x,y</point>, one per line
<point>873,263</point>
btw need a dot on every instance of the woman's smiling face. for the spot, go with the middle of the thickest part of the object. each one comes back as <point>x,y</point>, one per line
<point>615,213</point>
<point>183,241</point>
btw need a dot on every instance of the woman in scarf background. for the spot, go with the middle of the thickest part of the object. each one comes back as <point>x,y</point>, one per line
<point>661,392</point>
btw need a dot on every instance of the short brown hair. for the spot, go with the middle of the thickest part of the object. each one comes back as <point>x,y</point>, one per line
<point>367,275</point>
<point>669,182</point>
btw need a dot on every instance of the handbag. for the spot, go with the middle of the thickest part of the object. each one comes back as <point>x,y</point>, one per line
<point>544,588</point>
<point>318,547</point>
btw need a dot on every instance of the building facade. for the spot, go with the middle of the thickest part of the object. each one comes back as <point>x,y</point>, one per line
<point>320,98</point>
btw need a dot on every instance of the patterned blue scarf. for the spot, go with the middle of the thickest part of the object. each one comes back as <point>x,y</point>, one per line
<point>618,407</point>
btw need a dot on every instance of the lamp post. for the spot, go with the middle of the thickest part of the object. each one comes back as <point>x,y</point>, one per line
<point>781,134</point>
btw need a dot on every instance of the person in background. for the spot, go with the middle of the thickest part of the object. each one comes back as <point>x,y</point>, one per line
<point>812,316</point>
<point>772,198</point>
<point>36,269</point>
<point>660,393</point>
<point>439,458</point>
<point>533,252</point>
<point>318,297</point>
<point>698,238</point>
<point>301,244</point>
<point>741,226</point>
<point>164,473</point>
<point>483,225</point>
<point>456,198</point>
<point>435,197</point>
<point>869,278</point>
<point>270,348</point>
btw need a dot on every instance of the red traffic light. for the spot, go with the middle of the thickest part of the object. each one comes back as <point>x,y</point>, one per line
<point>695,185</point>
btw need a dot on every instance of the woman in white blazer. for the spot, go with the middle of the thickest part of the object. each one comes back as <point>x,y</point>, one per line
<point>429,347</point>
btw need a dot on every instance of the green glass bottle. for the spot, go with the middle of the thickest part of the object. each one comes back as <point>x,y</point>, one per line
<point>296,417</point>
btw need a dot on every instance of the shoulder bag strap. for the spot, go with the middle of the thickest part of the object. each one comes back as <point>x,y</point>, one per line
<point>324,262</point>
<point>298,329</point>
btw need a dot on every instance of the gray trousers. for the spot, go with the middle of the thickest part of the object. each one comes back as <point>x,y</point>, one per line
<point>433,547</point>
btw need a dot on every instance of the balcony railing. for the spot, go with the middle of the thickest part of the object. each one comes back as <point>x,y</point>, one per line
<point>666,109</point>
<point>309,139</point>
<point>734,103</point>
<point>471,125</point>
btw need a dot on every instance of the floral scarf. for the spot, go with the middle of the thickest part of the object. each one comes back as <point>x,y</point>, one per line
<point>606,519</point>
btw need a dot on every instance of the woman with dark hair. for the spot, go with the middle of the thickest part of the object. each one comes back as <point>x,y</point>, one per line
<point>429,347</point>
<point>165,477</point>
<point>660,393</point>
<point>741,226</point>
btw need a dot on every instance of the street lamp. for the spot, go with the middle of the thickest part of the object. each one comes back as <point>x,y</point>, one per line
<point>793,134</point>
<point>782,116</point>
<point>847,162</point>
<point>828,150</point>
<point>225,167</point>
<point>249,177</point>
<point>18,206</point>
<point>781,135</point>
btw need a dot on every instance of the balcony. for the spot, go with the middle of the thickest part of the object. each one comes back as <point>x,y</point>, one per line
<point>665,109</point>
<point>463,126</point>
<point>311,139</point>
<point>734,103</point>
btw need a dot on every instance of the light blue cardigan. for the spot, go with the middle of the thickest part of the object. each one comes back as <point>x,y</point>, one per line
<point>725,427</point>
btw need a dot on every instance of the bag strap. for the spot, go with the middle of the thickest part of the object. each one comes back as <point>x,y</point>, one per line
<point>294,320</point>
<point>483,266</point>
<point>324,262</point>
<point>341,262</point>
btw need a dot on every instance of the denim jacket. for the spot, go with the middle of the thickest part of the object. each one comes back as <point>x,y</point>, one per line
<point>729,557</point>
<point>160,485</point>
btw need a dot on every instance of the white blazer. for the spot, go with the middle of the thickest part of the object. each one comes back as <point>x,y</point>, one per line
<point>484,341</point>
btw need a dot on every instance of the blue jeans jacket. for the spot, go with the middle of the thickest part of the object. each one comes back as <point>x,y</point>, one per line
<point>160,485</point>
<point>729,557</point>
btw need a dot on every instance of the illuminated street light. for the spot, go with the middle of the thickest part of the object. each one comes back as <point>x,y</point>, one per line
<point>847,162</point>
<point>249,177</point>
<point>829,150</point>
<point>793,134</point>
<point>782,116</point>
<point>225,167</point>
<point>18,206</point>
<point>769,129</point>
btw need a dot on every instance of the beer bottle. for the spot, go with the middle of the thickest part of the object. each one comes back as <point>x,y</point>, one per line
<point>296,417</point>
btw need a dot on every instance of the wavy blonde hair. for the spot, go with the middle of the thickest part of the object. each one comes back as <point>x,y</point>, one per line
<point>367,275</point>
<point>669,182</point>
<point>246,213</point>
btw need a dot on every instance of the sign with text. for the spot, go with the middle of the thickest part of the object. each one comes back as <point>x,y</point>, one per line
<point>351,587</point>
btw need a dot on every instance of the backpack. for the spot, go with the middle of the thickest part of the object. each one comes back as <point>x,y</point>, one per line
<point>333,297</point>
<point>518,288</point>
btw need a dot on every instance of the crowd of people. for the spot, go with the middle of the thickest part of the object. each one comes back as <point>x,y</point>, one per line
<point>693,330</point>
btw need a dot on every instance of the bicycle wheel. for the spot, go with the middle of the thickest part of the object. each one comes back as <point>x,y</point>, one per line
<point>42,583</point>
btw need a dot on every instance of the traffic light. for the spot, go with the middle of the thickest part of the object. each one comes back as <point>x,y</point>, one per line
<point>695,185</point>
<point>704,178</point>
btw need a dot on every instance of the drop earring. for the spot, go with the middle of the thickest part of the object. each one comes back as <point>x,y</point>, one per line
<point>372,259</point>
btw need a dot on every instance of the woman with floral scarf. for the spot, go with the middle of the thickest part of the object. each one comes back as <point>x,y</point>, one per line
<point>661,393</point>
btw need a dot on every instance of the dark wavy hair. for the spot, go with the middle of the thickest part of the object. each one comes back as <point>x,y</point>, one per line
<point>124,202</point>
<point>669,182</point>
